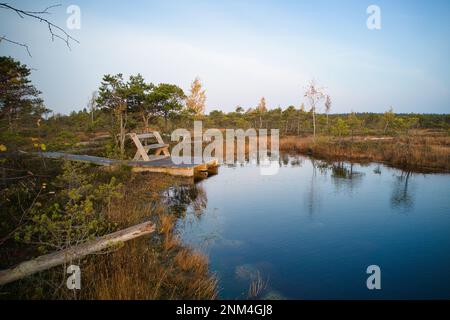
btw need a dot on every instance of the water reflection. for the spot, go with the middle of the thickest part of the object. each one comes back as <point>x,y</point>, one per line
<point>346,177</point>
<point>285,160</point>
<point>402,196</point>
<point>313,196</point>
<point>178,198</point>
<point>297,161</point>
<point>377,169</point>
<point>311,228</point>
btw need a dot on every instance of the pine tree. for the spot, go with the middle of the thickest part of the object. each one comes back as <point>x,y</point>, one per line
<point>20,101</point>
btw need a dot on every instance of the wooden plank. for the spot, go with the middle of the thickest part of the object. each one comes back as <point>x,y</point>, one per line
<point>151,158</point>
<point>158,137</point>
<point>165,151</point>
<point>156,146</point>
<point>175,171</point>
<point>142,151</point>
<point>78,157</point>
<point>163,164</point>
<point>65,256</point>
<point>137,155</point>
<point>143,154</point>
<point>145,135</point>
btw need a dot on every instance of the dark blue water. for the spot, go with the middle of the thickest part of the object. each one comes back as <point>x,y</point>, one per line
<point>312,230</point>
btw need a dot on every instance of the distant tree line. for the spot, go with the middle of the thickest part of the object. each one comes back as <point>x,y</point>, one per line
<point>122,105</point>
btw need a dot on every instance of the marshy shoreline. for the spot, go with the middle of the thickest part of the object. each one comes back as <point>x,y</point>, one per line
<point>424,152</point>
<point>158,266</point>
<point>161,266</point>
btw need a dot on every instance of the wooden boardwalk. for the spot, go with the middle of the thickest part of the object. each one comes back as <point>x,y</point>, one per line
<point>160,164</point>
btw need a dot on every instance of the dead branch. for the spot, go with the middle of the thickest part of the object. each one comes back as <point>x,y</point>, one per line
<point>54,30</point>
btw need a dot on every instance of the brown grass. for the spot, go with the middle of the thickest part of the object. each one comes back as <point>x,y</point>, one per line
<point>140,271</point>
<point>191,260</point>
<point>156,268</point>
<point>257,287</point>
<point>414,152</point>
<point>139,195</point>
<point>169,240</point>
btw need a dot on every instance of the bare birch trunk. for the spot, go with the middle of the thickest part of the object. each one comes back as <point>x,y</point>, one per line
<point>314,122</point>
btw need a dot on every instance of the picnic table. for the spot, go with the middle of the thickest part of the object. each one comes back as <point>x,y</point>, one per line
<point>161,149</point>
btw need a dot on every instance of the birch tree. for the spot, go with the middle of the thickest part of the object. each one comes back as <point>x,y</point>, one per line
<point>314,96</point>
<point>327,107</point>
<point>92,105</point>
<point>388,118</point>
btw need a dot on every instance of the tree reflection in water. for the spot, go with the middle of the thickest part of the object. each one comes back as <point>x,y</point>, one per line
<point>297,161</point>
<point>284,160</point>
<point>402,196</point>
<point>345,177</point>
<point>179,198</point>
<point>313,196</point>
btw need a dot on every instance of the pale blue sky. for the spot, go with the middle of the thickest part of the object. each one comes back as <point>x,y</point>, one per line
<point>243,50</point>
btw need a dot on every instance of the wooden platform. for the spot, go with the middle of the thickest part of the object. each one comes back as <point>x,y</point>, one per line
<point>161,164</point>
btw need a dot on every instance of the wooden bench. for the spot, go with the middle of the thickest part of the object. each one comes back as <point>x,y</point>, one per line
<point>140,140</point>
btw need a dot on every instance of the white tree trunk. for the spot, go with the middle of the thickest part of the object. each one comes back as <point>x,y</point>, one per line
<point>314,122</point>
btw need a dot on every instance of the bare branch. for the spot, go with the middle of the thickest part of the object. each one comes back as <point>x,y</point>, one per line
<point>45,11</point>
<point>17,43</point>
<point>55,30</point>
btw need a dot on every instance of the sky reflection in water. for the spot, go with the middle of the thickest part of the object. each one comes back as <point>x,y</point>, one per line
<point>311,230</point>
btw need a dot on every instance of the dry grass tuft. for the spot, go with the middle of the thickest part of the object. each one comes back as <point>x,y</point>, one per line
<point>257,287</point>
<point>140,272</point>
<point>191,260</point>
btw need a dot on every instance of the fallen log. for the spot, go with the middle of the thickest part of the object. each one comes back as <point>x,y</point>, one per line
<point>48,261</point>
